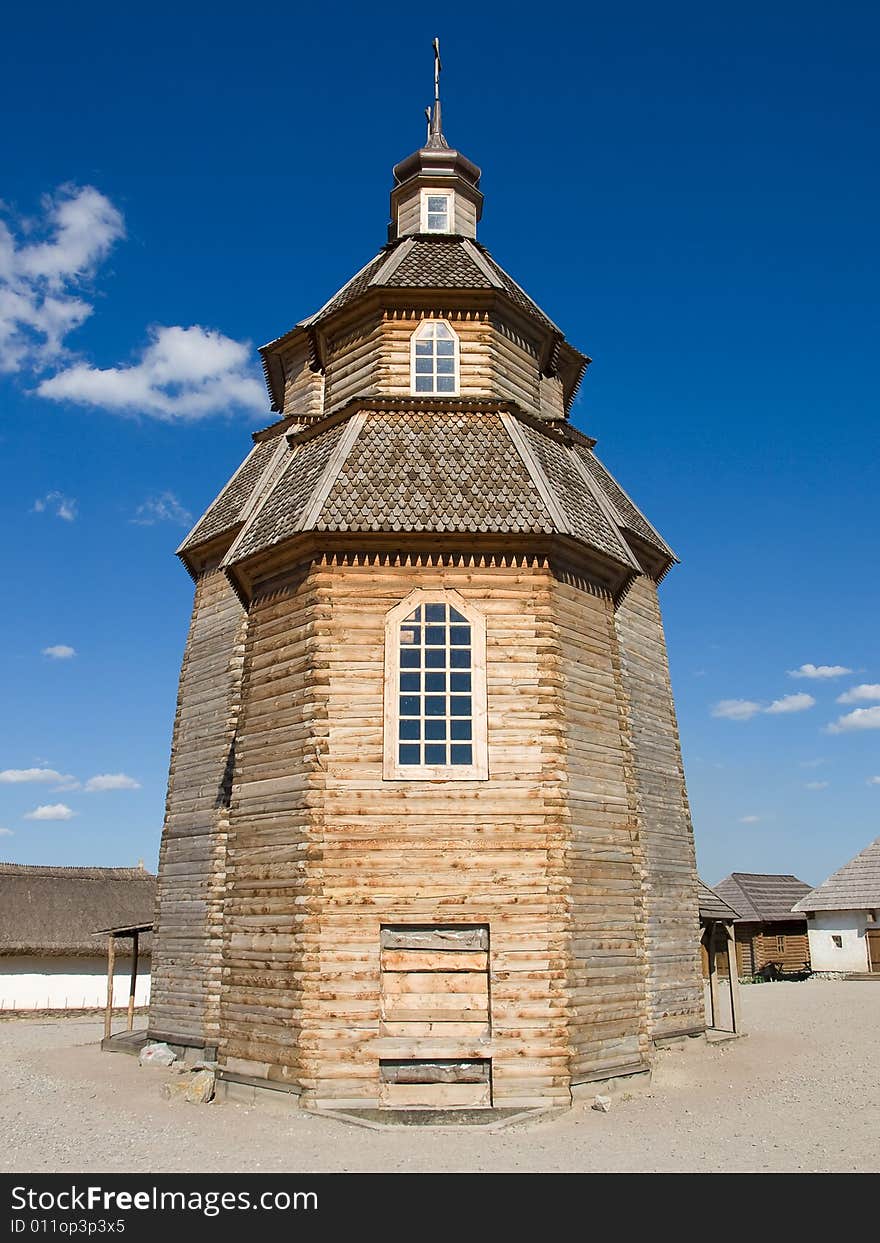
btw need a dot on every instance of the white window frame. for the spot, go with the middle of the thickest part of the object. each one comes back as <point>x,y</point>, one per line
<point>449,195</point>
<point>393,770</point>
<point>456,359</point>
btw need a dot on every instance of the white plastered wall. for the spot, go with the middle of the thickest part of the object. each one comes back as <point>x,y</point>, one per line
<point>852,954</point>
<point>67,983</point>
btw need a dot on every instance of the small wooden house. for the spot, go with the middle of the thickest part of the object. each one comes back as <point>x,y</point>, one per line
<point>50,955</point>
<point>843,916</point>
<point>427,839</point>
<point>767,930</point>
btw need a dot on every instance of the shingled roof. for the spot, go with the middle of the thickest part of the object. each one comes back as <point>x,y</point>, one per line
<point>713,907</point>
<point>414,465</point>
<point>760,897</point>
<point>854,887</point>
<point>429,261</point>
<point>57,910</point>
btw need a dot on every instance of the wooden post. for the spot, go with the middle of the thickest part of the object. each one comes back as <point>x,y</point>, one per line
<point>133,982</point>
<point>733,972</point>
<point>111,963</point>
<point>713,975</point>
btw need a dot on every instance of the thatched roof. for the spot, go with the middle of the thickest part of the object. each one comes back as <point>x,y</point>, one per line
<point>57,910</point>
<point>713,907</point>
<point>854,887</point>
<point>761,897</point>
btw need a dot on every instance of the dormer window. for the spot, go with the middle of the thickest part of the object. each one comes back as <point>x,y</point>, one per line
<point>434,359</point>
<point>436,211</point>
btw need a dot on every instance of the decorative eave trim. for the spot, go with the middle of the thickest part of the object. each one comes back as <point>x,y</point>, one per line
<point>610,513</point>
<point>393,262</point>
<point>301,547</point>
<point>331,471</point>
<point>536,472</point>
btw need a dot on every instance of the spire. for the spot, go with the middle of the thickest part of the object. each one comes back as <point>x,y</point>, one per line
<point>436,189</point>
<point>435,115</point>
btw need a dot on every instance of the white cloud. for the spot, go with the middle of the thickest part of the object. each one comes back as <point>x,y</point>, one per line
<point>6,833</point>
<point>110,781</point>
<point>51,811</point>
<point>20,776</point>
<point>861,718</point>
<point>60,505</point>
<point>749,819</point>
<point>874,781</point>
<point>163,508</point>
<point>41,280</point>
<point>858,694</point>
<point>791,703</point>
<point>59,651</point>
<point>817,785</point>
<point>184,373</point>
<point>819,671</point>
<point>736,709</point>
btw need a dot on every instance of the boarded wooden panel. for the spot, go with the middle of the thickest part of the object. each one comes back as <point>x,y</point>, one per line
<point>435,1096</point>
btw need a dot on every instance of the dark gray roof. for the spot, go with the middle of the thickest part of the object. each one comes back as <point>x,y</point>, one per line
<point>711,906</point>
<point>57,910</point>
<point>420,471</point>
<point>225,512</point>
<point>854,887</point>
<point>282,512</point>
<point>412,464</point>
<point>761,897</point>
<point>631,516</point>
<point>585,516</point>
<point>430,261</point>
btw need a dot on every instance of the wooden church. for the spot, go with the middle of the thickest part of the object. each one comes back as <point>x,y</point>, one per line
<point>427,841</point>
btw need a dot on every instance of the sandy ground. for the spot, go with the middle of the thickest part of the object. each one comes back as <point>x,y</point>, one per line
<point>801,1092</point>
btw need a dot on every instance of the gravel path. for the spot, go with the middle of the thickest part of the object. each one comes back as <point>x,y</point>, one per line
<point>802,1092</point>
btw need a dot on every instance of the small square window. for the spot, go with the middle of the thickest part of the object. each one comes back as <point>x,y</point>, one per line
<point>459,682</point>
<point>435,612</point>
<point>411,682</point>
<point>435,657</point>
<point>462,755</point>
<point>460,636</point>
<point>410,659</point>
<point>410,755</point>
<point>435,705</point>
<point>410,731</point>
<point>435,754</point>
<point>460,705</point>
<point>435,684</point>
<point>435,731</point>
<point>460,731</point>
<point>460,658</point>
<point>435,636</point>
<point>409,705</point>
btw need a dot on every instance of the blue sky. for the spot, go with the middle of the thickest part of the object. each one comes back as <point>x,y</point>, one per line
<point>691,193</point>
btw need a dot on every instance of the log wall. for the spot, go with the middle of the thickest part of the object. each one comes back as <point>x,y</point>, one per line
<point>670,877</point>
<point>192,858</point>
<point>323,852</point>
<point>303,387</point>
<point>604,863</point>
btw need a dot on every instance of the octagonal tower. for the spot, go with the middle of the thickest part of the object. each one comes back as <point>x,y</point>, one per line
<point>427,840</point>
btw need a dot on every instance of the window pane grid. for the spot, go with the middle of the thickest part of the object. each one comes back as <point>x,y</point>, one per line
<point>434,359</point>
<point>435,704</point>
<point>437,213</point>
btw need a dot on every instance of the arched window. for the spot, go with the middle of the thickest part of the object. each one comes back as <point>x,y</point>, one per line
<point>434,359</point>
<point>435,690</point>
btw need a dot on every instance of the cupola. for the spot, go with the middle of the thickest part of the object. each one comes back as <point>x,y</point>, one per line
<point>436,189</point>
